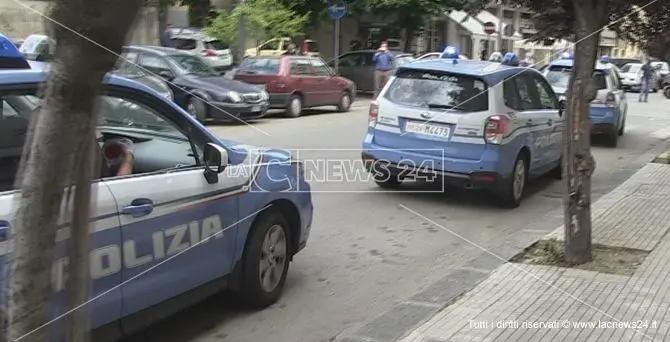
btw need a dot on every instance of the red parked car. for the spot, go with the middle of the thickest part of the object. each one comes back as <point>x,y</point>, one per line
<point>297,82</point>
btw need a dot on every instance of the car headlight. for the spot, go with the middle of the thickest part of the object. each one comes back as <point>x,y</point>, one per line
<point>234,96</point>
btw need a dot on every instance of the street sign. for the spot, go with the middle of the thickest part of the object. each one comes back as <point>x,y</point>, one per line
<point>489,27</point>
<point>337,9</point>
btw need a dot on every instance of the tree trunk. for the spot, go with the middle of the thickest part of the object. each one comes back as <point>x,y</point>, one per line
<point>198,11</point>
<point>578,160</point>
<point>162,9</point>
<point>66,123</point>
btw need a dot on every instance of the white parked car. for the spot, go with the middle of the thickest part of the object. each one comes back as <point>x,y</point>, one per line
<point>215,52</point>
<point>631,78</point>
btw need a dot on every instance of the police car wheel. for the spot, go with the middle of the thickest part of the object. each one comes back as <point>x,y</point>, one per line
<point>512,190</point>
<point>294,108</point>
<point>197,108</point>
<point>345,102</point>
<point>266,260</point>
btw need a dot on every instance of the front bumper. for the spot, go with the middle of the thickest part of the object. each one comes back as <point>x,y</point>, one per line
<point>474,180</point>
<point>233,112</point>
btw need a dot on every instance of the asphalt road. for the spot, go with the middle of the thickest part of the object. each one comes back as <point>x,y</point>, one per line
<point>368,250</point>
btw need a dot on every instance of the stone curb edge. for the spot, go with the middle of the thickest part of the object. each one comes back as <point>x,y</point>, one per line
<point>408,315</point>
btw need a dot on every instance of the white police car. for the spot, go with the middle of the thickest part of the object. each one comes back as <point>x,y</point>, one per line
<point>196,215</point>
<point>479,124</point>
<point>607,112</point>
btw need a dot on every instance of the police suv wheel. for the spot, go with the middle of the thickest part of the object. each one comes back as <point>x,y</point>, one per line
<point>197,108</point>
<point>345,102</point>
<point>509,196</point>
<point>294,108</point>
<point>266,260</point>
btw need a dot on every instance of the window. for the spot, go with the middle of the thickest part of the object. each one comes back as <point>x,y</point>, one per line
<point>320,68</point>
<point>351,60</point>
<point>157,143</point>
<point>437,89</point>
<point>301,67</point>
<point>528,100</point>
<point>270,45</point>
<point>216,45</point>
<point>559,77</point>
<point>259,66</point>
<point>631,68</point>
<point>184,44</point>
<point>192,64</point>
<point>154,64</point>
<point>510,94</point>
<point>547,97</point>
<point>367,59</point>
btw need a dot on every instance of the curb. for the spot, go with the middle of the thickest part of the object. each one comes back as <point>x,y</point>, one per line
<point>410,314</point>
<point>664,158</point>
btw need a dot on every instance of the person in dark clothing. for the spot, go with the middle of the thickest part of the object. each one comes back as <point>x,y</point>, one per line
<point>292,50</point>
<point>383,60</point>
<point>166,37</point>
<point>647,79</point>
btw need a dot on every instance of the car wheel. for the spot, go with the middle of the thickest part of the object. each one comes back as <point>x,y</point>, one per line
<point>388,181</point>
<point>622,128</point>
<point>266,260</point>
<point>294,107</point>
<point>512,190</point>
<point>197,108</point>
<point>666,92</point>
<point>345,102</point>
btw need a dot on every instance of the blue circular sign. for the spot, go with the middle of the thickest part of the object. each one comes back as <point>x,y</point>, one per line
<point>337,9</point>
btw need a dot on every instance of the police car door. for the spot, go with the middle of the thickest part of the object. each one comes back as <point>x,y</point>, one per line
<point>550,114</point>
<point>536,121</point>
<point>106,236</point>
<point>178,230</point>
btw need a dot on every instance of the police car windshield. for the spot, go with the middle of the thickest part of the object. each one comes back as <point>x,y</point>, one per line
<point>438,89</point>
<point>559,77</point>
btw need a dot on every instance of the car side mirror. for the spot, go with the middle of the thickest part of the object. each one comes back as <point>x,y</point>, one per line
<point>561,107</point>
<point>166,75</point>
<point>215,159</point>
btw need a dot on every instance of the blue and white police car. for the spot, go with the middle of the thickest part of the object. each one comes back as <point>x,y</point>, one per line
<point>198,214</point>
<point>608,111</point>
<point>479,125</point>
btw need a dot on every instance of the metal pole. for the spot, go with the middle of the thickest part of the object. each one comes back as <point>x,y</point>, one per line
<point>337,45</point>
<point>500,26</point>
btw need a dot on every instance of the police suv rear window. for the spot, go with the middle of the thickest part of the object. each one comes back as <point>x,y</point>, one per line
<point>438,89</point>
<point>259,66</point>
<point>559,76</point>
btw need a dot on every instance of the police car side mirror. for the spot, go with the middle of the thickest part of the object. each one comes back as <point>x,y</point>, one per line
<point>561,107</point>
<point>215,159</point>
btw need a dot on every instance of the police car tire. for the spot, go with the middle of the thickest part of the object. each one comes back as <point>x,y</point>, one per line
<point>505,195</point>
<point>252,292</point>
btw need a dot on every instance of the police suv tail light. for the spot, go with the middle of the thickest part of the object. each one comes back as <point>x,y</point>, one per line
<point>610,100</point>
<point>374,111</point>
<point>495,129</point>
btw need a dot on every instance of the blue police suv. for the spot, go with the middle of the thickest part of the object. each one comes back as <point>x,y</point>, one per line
<point>197,215</point>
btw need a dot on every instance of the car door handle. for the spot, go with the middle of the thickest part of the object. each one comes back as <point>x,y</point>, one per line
<point>139,207</point>
<point>4,231</point>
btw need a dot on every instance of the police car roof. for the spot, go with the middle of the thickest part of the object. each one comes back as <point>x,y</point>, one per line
<point>570,63</point>
<point>36,76</point>
<point>491,71</point>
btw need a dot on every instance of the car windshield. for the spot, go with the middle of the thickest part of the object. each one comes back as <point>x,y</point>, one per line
<point>559,77</point>
<point>192,65</point>
<point>128,69</point>
<point>438,89</point>
<point>259,66</point>
<point>631,68</point>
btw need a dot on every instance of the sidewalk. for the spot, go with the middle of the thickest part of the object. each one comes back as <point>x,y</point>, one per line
<point>635,215</point>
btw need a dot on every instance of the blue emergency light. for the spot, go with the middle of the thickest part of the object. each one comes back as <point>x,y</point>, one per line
<point>10,57</point>
<point>604,59</point>
<point>451,52</point>
<point>511,59</point>
<point>566,55</point>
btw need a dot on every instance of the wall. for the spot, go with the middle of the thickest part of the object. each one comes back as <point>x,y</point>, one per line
<point>18,21</point>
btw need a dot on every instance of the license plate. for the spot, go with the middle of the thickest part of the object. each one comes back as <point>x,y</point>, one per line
<point>256,108</point>
<point>427,129</point>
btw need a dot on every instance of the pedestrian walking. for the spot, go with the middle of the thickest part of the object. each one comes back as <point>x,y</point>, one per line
<point>383,60</point>
<point>647,79</point>
<point>166,37</point>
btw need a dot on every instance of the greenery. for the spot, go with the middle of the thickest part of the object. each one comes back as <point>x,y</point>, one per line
<point>265,19</point>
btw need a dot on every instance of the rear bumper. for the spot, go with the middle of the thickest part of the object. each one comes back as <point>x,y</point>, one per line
<point>229,112</point>
<point>604,120</point>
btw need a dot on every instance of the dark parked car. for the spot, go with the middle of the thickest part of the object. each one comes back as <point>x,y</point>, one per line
<point>129,70</point>
<point>298,82</point>
<point>197,87</point>
<point>359,66</point>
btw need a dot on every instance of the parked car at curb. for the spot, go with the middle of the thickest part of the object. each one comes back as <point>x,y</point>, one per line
<point>198,214</point>
<point>631,78</point>
<point>295,83</point>
<point>359,67</point>
<point>38,47</point>
<point>199,89</point>
<point>213,51</point>
<point>472,124</point>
